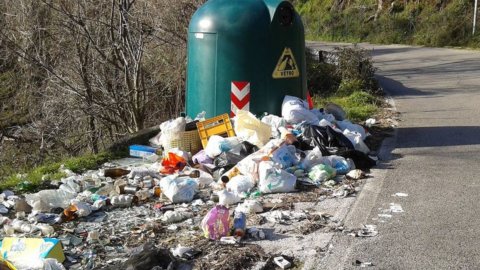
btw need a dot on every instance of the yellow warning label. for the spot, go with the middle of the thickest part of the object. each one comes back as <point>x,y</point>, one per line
<point>287,66</point>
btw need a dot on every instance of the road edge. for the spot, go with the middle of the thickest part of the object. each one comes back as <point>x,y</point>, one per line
<point>340,248</point>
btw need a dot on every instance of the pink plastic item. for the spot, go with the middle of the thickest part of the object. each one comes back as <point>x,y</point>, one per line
<point>216,223</point>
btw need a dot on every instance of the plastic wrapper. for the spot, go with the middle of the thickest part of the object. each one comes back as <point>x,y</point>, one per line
<point>216,223</point>
<point>285,156</point>
<point>202,158</point>
<point>275,180</point>
<point>249,128</point>
<point>178,190</point>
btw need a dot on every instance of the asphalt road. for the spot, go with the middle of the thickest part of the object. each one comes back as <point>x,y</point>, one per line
<point>434,158</point>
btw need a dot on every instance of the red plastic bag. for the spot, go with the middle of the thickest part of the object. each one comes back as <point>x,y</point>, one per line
<point>173,163</point>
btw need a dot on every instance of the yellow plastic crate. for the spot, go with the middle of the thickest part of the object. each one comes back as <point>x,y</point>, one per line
<point>188,141</point>
<point>219,125</point>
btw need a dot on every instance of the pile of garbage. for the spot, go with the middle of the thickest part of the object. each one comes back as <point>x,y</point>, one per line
<point>116,216</point>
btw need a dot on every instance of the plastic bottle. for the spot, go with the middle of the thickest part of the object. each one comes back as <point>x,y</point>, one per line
<point>22,226</point>
<point>225,178</point>
<point>106,190</point>
<point>239,224</point>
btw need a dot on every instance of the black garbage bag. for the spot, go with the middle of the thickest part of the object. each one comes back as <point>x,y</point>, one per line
<point>244,149</point>
<point>362,161</point>
<point>329,141</point>
<point>229,159</point>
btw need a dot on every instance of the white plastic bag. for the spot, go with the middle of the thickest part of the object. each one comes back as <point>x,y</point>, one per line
<point>240,184</point>
<point>83,209</point>
<point>249,128</point>
<point>227,198</point>
<point>275,180</point>
<point>204,180</point>
<point>217,145</point>
<point>178,190</point>
<point>313,158</point>
<point>356,139</point>
<point>47,199</point>
<point>274,122</point>
<point>295,111</point>
<point>170,130</point>
<point>324,123</point>
<point>345,124</point>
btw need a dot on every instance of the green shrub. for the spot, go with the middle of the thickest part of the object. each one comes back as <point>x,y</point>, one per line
<point>348,86</point>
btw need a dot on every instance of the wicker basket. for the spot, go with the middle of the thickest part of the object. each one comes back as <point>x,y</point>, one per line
<point>189,141</point>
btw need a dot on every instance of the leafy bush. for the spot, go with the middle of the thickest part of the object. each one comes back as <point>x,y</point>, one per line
<point>347,70</point>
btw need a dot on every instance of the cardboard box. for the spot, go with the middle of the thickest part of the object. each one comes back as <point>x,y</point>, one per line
<point>31,249</point>
<point>142,151</point>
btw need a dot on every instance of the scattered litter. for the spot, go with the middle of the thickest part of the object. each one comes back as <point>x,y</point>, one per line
<point>370,122</point>
<point>180,251</point>
<point>282,262</point>
<point>256,233</point>
<point>399,194</point>
<point>396,208</point>
<point>367,231</point>
<point>362,264</point>
<point>228,240</point>
<point>116,217</point>
<point>356,174</point>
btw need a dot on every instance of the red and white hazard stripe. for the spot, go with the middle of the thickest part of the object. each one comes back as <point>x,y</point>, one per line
<point>240,97</point>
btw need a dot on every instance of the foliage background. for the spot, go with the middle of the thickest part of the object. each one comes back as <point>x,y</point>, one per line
<point>421,22</point>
